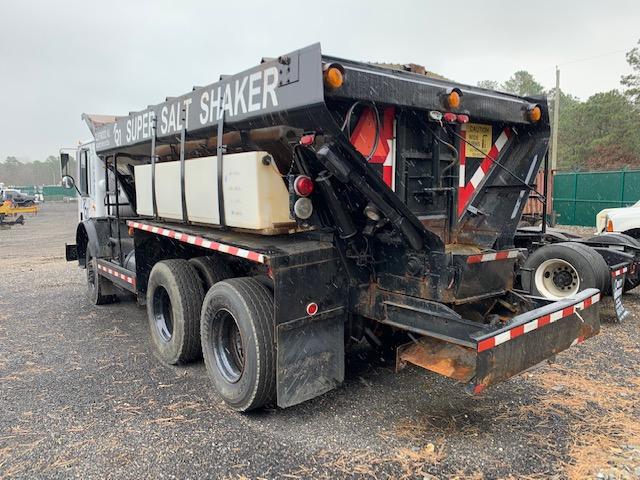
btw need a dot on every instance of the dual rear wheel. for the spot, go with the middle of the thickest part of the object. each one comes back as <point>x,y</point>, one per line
<point>231,327</point>
<point>563,269</point>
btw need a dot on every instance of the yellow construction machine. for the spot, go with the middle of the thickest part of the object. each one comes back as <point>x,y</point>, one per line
<point>14,211</point>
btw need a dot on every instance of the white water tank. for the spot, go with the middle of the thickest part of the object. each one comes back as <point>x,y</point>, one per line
<point>255,194</point>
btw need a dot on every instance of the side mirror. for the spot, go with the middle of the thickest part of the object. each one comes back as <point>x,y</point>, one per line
<point>64,164</point>
<point>68,181</point>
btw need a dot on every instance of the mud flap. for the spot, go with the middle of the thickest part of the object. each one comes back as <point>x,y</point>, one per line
<point>535,336</point>
<point>618,277</point>
<point>70,252</point>
<point>310,357</point>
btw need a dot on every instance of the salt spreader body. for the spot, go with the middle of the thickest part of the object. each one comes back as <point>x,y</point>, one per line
<point>274,217</point>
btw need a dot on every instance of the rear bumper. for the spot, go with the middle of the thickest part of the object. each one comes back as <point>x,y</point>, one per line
<point>527,340</point>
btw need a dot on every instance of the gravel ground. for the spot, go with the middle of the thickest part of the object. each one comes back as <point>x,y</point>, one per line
<point>82,395</point>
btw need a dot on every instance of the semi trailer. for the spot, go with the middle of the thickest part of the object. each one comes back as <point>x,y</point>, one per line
<point>273,218</point>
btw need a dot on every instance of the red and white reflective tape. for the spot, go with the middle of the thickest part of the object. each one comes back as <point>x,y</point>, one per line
<point>465,190</point>
<point>200,242</point>
<point>116,274</point>
<point>489,343</point>
<point>619,272</point>
<point>490,257</point>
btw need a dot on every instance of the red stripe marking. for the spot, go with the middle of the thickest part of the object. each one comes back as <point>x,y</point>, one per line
<point>501,255</point>
<point>517,331</point>
<point>199,241</point>
<point>474,259</point>
<point>544,320</point>
<point>387,172</point>
<point>486,344</point>
<point>462,159</point>
<point>465,193</point>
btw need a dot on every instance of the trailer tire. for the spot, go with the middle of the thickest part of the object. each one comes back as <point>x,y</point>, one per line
<point>600,266</point>
<point>211,270</point>
<point>98,292</point>
<point>174,299</point>
<point>620,239</point>
<point>561,270</point>
<point>238,343</point>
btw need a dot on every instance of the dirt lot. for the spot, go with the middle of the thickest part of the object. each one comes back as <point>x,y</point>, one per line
<point>82,395</point>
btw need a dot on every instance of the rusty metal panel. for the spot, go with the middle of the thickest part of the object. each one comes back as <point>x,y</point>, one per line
<point>534,205</point>
<point>453,361</point>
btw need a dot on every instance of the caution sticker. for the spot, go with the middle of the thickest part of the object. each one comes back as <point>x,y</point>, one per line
<point>480,137</point>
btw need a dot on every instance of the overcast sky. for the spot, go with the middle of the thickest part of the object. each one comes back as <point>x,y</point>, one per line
<point>59,59</point>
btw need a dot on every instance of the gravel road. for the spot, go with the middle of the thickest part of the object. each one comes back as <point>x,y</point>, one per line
<point>82,395</point>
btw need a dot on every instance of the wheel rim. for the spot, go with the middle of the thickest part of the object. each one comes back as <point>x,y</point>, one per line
<point>228,347</point>
<point>556,279</point>
<point>162,314</point>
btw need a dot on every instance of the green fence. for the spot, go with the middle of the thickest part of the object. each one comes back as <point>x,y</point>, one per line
<point>51,193</point>
<point>579,196</point>
<point>54,193</point>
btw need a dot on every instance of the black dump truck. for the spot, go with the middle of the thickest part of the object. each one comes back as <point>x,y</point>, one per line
<point>272,218</point>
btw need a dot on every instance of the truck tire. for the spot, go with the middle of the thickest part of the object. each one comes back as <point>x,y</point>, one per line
<point>211,270</point>
<point>561,270</point>
<point>620,239</point>
<point>174,299</point>
<point>238,342</point>
<point>600,266</point>
<point>98,291</point>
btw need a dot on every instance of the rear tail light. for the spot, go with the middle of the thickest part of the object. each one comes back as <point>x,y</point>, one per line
<point>463,118</point>
<point>303,208</point>
<point>450,117</point>
<point>308,139</point>
<point>303,186</point>
<point>312,308</point>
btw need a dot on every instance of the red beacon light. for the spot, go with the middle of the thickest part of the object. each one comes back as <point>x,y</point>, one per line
<point>303,186</point>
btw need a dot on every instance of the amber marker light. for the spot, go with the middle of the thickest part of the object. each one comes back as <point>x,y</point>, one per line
<point>333,76</point>
<point>534,114</point>
<point>453,99</point>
